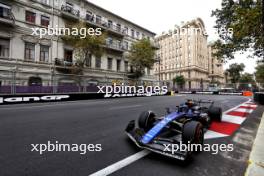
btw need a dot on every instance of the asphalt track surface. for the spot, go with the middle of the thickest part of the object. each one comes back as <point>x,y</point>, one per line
<point>103,122</point>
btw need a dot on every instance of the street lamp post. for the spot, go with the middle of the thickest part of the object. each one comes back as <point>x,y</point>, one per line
<point>157,60</point>
<point>159,72</point>
<point>14,71</point>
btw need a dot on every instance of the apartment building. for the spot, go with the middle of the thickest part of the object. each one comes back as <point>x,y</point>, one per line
<point>184,51</point>
<point>216,70</point>
<point>27,59</point>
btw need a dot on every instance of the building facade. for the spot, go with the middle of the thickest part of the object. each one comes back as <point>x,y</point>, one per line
<point>184,51</point>
<point>27,59</point>
<point>216,71</point>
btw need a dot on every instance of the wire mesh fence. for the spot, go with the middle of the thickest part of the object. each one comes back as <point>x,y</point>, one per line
<point>223,87</point>
<point>28,82</point>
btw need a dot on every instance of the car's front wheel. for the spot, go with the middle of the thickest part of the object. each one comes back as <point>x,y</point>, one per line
<point>146,120</point>
<point>192,133</point>
<point>215,113</point>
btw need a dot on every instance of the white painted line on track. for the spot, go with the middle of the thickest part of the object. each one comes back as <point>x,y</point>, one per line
<point>212,134</point>
<point>236,106</point>
<point>244,110</point>
<point>233,119</point>
<point>252,106</point>
<point>120,164</point>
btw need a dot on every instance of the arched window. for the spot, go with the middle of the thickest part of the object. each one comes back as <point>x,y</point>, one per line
<point>34,81</point>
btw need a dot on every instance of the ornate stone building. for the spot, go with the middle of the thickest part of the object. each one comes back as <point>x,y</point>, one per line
<point>27,59</point>
<point>216,71</point>
<point>184,51</point>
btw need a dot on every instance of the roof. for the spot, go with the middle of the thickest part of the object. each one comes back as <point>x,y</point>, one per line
<point>96,6</point>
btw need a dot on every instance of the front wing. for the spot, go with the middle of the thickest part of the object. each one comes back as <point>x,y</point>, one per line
<point>157,145</point>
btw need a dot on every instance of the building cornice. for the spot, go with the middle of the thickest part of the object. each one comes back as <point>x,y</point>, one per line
<point>52,10</point>
<point>111,13</point>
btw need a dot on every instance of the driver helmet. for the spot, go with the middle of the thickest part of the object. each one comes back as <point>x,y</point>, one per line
<point>189,103</point>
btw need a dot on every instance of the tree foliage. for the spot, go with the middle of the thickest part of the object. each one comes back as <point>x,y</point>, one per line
<point>246,19</point>
<point>91,44</point>
<point>234,71</point>
<point>179,80</point>
<point>141,56</point>
<point>246,78</point>
<point>260,73</point>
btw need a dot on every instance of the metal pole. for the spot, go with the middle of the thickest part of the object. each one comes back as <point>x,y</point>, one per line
<point>159,72</point>
<point>262,26</point>
<point>52,79</point>
<point>14,81</point>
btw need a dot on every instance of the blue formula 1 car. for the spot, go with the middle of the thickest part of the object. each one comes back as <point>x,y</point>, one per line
<point>183,125</point>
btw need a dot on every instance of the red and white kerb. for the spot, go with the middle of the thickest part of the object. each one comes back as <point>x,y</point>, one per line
<point>231,120</point>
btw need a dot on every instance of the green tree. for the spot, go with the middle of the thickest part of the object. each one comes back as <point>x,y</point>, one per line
<point>235,71</point>
<point>260,73</point>
<point>246,20</point>
<point>141,56</point>
<point>90,44</point>
<point>179,81</point>
<point>247,82</point>
<point>246,78</point>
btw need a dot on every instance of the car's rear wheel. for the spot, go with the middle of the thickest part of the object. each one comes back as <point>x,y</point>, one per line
<point>215,113</point>
<point>192,133</point>
<point>146,120</point>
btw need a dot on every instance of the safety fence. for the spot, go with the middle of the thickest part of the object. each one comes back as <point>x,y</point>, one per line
<point>50,82</point>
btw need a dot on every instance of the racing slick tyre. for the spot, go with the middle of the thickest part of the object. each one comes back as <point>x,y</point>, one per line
<point>192,133</point>
<point>146,120</point>
<point>215,113</point>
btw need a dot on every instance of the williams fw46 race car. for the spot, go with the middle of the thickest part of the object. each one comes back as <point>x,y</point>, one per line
<point>185,124</point>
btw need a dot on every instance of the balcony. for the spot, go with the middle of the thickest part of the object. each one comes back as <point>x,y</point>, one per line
<point>98,22</point>
<point>66,67</point>
<point>63,62</point>
<point>154,44</point>
<point>115,29</point>
<point>115,46</point>
<point>69,12</point>
<point>6,16</point>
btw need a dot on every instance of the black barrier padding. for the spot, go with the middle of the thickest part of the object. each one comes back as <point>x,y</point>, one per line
<point>72,97</point>
<point>259,97</point>
<point>256,97</point>
<point>212,92</point>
